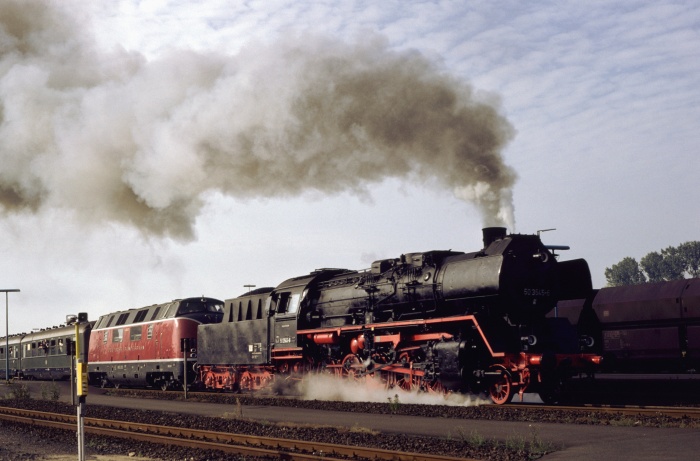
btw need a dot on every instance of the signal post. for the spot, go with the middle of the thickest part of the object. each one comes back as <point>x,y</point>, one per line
<point>81,380</point>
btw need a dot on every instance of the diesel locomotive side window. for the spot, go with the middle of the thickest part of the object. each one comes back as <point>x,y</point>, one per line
<point>135,333</point>
<point>141,316</point>
<point>122,318</point>
<point>117,335</point>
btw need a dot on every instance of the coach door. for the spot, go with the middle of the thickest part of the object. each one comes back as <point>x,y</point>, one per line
<point>285,306</point>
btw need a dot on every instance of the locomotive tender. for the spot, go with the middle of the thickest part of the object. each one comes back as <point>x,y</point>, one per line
<point>435,321</point>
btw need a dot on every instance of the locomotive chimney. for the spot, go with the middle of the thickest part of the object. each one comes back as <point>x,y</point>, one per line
<point>491,234</point>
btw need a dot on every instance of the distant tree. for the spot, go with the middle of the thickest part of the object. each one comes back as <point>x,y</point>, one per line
<point>672,263</point>
<point>653,266</point>
<point>690,254</point>
<point>626,272</point>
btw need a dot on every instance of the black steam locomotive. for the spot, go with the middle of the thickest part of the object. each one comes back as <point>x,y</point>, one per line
<point>435,321</point>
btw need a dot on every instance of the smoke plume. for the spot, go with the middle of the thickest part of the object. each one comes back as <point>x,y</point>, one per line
<point>114,137</point>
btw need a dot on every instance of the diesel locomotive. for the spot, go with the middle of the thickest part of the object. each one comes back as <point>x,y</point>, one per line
<point>153,346</point>
<point>436,321</point>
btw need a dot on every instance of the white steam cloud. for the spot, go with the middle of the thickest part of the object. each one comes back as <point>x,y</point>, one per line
<point>114,137</point>
<point>372,389</point>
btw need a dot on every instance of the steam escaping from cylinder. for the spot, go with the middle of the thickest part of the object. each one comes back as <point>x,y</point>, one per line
<point>114,137</point>
<point>372,389</point>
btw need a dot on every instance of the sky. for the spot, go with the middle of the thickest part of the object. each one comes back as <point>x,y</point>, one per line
<point>163,149</point>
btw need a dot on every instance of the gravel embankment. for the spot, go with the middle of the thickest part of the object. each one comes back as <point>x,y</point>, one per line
<point>33,443</point>
<point>63,442</point>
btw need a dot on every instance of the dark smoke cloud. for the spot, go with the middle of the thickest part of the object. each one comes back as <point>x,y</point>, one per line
<point>114,137</point>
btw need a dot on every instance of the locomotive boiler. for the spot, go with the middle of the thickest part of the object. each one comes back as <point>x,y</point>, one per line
<point>435,321</point>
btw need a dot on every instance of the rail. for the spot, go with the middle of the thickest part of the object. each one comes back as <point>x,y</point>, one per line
<point>245,445</point>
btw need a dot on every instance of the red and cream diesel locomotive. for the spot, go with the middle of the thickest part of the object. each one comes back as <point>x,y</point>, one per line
<point>153,346</point>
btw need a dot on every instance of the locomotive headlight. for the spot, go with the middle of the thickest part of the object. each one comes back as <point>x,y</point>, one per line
<point>587,341</point>
<point>530,340</point>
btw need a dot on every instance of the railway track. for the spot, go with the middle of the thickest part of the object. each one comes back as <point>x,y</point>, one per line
<point>243,445</point>
<point>675,412</point>
<point>627,410</point>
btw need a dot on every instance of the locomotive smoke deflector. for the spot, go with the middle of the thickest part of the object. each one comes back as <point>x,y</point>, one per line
<point>491,234</point>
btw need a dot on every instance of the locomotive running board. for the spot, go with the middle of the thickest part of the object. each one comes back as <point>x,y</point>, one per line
<point>404,324</point>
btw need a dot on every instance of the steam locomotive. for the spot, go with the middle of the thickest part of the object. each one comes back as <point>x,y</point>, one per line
<point>436,321</point>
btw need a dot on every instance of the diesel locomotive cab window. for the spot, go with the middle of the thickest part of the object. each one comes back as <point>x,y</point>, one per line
<point>191,308</point>
<point>194,307</point>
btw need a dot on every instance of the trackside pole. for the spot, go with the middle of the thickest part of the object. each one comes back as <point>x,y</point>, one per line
<point>82,382</point>
<point>184,348</point>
